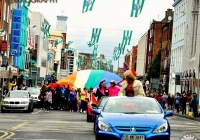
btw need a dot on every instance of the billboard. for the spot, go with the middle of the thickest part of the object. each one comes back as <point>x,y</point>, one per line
<point>34,51</point>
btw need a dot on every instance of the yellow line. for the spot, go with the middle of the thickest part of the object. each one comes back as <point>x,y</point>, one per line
<point>11,135</point>
<point>18,126</point>
<point>4,135</point>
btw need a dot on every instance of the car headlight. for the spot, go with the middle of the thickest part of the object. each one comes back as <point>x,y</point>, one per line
<point>5,102</point>
<point>24,102</point>
<point>104,126</point>
<point>161,128</point>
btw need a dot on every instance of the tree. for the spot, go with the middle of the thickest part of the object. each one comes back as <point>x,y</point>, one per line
<point>154,68</point>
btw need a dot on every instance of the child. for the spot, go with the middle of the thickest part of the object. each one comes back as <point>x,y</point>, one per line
<point>79,105</point>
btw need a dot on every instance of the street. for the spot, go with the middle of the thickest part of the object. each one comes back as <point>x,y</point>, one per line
<point>69,126</point>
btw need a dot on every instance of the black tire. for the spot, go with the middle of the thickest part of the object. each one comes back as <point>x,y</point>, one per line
<point>2,110</point>
<point>89,118</point>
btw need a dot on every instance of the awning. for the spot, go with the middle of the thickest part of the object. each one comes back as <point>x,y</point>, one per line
<point>5,74</point>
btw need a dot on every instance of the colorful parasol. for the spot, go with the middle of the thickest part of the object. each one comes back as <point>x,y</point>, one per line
<point>89,78</point>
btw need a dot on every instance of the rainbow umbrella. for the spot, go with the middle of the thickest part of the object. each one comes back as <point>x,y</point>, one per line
<point>89,78</point>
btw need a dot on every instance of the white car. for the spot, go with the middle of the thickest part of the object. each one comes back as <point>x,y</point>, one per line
<point>35,92</point>
<point>19,100</point>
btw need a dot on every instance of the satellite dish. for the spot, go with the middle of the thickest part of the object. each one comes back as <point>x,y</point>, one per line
<point>2,32</point>
<point>169,18</point>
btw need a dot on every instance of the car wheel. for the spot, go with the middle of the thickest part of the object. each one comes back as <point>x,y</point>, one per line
<point>2,110</point>
<point>89,118</point>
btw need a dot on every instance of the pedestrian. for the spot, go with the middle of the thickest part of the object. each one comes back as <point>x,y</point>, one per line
<point>64,93</point>
<point>194,105</point>
<point>102,90</point>
<point>78,97</point>
<point>113,90</point>
<point>131,87</point>
<point>188,103</point>
<point>84,97</point>
<point>164,100</point>
<point>42,96</point>
<point>72,100</point>
<point>177,102</point>
<point>48,99</point>
<point>169,100</point>
<point>183,104</point>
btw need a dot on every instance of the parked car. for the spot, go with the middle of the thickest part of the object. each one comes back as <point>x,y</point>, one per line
<point>35,92</point>
<point>132,118</point>
<point>17,100</point>
<point>93,103</point>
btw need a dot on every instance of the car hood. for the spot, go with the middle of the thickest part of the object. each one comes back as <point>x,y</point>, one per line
<point>16,99</point>
<point>137,120</point>
<point>35,95</point>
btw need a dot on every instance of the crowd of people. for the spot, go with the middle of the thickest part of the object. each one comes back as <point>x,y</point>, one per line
<point>183,102</point>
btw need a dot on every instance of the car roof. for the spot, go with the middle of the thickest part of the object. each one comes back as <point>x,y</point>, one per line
<point>18,91</point>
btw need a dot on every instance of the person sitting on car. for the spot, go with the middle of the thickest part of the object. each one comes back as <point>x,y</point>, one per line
<point>130,86</point>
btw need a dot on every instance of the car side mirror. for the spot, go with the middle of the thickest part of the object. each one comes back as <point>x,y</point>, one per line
<point>94,106</point>
<point>95,111</point>
<point>168,113</point>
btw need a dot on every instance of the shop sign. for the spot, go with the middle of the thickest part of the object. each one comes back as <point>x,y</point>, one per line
<point>16,32</point>
<point>3,45</point>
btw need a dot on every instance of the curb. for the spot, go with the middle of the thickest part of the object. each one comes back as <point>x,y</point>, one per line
<point>187,117</point>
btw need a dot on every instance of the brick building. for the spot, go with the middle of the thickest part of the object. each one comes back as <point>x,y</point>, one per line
<point>87,64</point>
<point>131,58</point>
<point>156,30</point>
<point>165,54</point>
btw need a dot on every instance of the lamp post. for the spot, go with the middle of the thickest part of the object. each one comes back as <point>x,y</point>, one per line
<point>5,64</point>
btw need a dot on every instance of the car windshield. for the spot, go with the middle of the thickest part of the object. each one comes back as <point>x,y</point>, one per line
<point>34,90</point>
<point>102,102</point>
<point>17,94</point>
<point>131,105</point>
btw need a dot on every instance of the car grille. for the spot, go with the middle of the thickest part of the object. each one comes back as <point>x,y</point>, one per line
<point>15,102</point>
<point>14,107</point>
<point>128,129</point>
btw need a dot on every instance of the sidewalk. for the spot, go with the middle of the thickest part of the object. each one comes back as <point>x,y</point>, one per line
<point>184,116</point>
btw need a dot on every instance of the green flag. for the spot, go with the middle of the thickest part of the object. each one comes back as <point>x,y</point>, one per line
<point>87,5</point>
<point>45,29</point>
<point>137,6</point>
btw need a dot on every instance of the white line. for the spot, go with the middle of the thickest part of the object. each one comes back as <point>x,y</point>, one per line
<point>36,112</point>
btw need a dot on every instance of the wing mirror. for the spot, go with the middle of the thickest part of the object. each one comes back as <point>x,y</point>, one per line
<point>168,113</point>
<point>95,111</point>
<point>94,106</point>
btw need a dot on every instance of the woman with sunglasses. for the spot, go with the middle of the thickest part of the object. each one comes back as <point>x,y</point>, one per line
<point>130,86</point>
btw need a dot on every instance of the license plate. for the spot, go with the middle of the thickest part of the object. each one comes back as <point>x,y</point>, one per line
<point>133,137</point>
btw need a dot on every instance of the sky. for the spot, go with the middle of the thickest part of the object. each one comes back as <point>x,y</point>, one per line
<point>112,16</point>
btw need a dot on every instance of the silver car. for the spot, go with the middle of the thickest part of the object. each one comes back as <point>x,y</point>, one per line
<point>35,92</point>
<point>17,100</point>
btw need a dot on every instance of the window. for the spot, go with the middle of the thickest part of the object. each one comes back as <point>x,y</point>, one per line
<point>4,13</point>
<point>8,13</point>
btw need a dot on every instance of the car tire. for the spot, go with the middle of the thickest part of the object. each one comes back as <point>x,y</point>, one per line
<point>89,118</point>
<point>2,110</point>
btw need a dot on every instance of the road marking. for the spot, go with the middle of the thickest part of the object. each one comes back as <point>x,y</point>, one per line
<point>4,135</point>
<point>18,126</point>
<point>11,135</point>
<point>36,112</point>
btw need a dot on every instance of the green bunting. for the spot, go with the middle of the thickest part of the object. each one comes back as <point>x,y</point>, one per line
<point>87,5</point>
<point>96,32</point>
<point>137,6</point>
<point>58,41</point>
<point>45,29</point>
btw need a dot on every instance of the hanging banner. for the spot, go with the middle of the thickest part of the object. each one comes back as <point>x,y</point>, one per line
<point>45,29</point>
<point>96,32</point>
<point>87,5</point>
<point>137,6</point>
<point>127,37</point>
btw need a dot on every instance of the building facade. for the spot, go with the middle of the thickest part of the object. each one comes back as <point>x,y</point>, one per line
<point>178,44</point>
<point>40,52</point>
<point>141,55</point>
<point>131,58</point>
<point>191,51</point>
<point>61,24</point>
<point>166,41</point>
